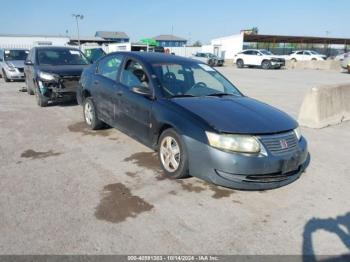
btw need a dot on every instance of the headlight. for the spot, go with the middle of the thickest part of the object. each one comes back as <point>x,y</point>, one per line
<point>297,132</point>
<point>235,143</point>
<point>46,76</point>
<point>10,68</point>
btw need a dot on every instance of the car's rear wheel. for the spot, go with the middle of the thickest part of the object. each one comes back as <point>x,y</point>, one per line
<point>172,154</point>
<point>240,63</point>
<point>266,64</point>
<point>90,115</point>
<point>349,69</point>
<point>293,59</point>
<point>313,59</point>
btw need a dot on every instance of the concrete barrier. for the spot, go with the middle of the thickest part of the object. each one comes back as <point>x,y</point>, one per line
<point>316,65</point>
<point>324,106</point>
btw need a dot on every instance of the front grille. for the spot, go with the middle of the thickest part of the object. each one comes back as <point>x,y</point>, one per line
<point>280,144</point>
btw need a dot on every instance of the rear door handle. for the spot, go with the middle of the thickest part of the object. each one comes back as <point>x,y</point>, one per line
<point>120,93</point>
<point>96,82</point>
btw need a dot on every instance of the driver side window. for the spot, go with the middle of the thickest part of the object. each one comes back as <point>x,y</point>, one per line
<point>133,74</point>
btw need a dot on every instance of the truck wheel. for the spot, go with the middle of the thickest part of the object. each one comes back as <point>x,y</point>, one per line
<point>172,154</point>
<point>266,64</point>
<point>41,100</point>
<point>240,63</point>
<point>90,115</point>
<point>5,76</point>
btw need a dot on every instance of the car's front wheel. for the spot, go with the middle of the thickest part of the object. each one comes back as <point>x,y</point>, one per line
<point>90,114</point>
<point>266,64</point>
<point>172,154</point>
<point>41,100</point>
<point>5,76</point>
<point>29,90</point>
<point>240,63</point>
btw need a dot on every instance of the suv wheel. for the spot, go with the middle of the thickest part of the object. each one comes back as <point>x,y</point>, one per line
<point>41,100</point>
<point>172,154</point>
<point>266,64</point>
<point>240,63</point>
<point>90,115</point>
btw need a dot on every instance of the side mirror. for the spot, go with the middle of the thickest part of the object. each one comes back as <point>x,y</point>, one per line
<point>28,62</point>
<point>141,90</point>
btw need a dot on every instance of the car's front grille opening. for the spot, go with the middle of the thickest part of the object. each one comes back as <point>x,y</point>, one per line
<point>280,144</point>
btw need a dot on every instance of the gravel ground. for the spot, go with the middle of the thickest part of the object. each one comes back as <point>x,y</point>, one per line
<point>67,190</point>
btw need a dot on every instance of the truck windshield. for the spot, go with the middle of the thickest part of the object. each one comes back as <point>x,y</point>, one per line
<point>11,55</point>
<point>188,79</point>
<point>61,57</point>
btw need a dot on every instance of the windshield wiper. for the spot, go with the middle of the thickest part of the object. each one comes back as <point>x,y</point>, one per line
<point>182,95</point>
<point>221,94</point>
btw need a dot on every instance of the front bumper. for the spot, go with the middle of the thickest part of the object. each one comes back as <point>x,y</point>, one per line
<point>17,74</point>
<point>278,63</point>
<point>59,88</point>
<point>243,171</point>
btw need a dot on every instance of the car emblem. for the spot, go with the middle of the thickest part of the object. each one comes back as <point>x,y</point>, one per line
<point>284,144</point>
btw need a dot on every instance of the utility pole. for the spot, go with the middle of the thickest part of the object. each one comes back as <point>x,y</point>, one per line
<point>77,17</point>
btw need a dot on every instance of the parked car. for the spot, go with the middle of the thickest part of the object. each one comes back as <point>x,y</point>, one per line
<point>209,59</point>
<point>94,53</point>
<point>341,57</point>
<point>199,122</point>
<point>53,73</point>
<point>12,63</point>
<point>258,58</point>
<point>346,63</point>
<point>306,55</point>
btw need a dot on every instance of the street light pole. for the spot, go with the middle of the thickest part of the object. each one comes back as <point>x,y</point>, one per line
<point>77,17</point>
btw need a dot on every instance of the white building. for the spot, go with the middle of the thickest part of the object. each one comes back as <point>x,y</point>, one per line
<point>225,47</point>
<point>29,41</point>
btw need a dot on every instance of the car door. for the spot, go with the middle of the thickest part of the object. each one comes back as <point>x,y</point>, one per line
<point>256,58</point>
<point>247,57</point>
<point>307,56</point>
<point>105,88</point>
<point>136,109</point>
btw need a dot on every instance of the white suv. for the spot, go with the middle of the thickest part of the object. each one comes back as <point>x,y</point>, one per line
<point>256,57</point>
<point>306,55</point>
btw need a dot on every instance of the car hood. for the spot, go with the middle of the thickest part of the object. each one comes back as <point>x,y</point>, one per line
<point>15,63</point>
<point>63,70</point>
<point>241,115</point>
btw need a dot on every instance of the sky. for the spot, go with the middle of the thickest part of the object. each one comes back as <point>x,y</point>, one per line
<point>192,19</point>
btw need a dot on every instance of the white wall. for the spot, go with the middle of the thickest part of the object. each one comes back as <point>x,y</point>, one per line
<point>185,51</point>
<point>114,47</point>
<point>30,41</point>
<point>227,46</point>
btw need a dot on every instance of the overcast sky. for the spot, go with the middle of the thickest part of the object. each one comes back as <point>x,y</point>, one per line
<point>191,19</point>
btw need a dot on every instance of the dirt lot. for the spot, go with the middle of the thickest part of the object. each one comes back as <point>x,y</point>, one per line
<point>67,190</point>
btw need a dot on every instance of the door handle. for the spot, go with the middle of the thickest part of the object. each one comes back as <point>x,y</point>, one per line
<point>120,93</point>
<point>96,82</point>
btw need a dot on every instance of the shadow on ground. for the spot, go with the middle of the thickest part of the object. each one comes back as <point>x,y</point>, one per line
<point>339,226</point>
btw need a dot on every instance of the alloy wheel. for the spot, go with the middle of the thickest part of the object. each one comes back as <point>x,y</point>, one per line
<point>170,154</point>
<point>88,112</point>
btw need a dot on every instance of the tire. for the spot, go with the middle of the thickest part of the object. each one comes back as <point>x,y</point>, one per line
<point>211,63</point>
<point>5,77</point>
<point>240,63</point>
<point>90,115</point>
<point>349,69</point>
<point>266,64</point>
<point>171,149</point>
<point>293,59</point>
<point>41,100</point>
<point>313,59</point>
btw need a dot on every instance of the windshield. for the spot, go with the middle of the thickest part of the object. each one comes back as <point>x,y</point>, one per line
<point>265,52</point>
<point>192,79</point>
<point>94,54</point>
<point>11,55</point>
<point>314,53</point>
<point>212,56</point>
<point>61,57</point>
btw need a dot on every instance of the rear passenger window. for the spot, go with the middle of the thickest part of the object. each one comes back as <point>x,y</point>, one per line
<point>109,66</point>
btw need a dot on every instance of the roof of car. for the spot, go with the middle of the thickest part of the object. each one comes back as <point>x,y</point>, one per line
<point>150,57</point>
<point>54,47</point>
